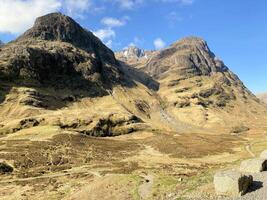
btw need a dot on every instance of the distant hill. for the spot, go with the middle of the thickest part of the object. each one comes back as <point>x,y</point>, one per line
<point>263,97</point>
<point>1,43</point>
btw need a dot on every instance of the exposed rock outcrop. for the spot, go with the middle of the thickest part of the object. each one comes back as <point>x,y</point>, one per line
<point>59,52</point>
<point>231,183</point>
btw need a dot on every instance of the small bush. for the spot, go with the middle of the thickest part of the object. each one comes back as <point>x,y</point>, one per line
<point>239,129</point>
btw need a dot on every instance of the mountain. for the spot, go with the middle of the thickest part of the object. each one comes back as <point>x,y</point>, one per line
<point>56,38</point>
<point>133,55</point>
<point>1,43</point>
<point>54,65</point>
<point>133,52</point>
<point>197,86</point>
<point>78,123</point>
<point>263,97</point>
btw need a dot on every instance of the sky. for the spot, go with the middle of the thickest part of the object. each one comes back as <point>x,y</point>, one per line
<point>235,30</point>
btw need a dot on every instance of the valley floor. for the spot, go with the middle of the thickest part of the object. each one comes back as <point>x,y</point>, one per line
<point>142,165</point>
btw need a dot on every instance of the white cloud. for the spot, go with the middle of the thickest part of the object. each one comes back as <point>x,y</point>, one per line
<point>105,34</point>
<point>112,22</point>
<point>159,43</point>
<point>18,15</point>
<point>76,8</point>
<point>129,4</point>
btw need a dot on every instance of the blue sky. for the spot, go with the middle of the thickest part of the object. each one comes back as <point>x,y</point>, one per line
<point>236,30</point>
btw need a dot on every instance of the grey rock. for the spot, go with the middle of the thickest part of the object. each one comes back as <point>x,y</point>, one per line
<point>231,183</point>
<point>134,52</point>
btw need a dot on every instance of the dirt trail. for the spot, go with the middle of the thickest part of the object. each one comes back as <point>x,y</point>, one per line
<point>145,189</point>
<point>54,175</point>
<point>248,149</point>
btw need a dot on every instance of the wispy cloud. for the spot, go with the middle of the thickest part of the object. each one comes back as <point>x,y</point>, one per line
<point>105,34</point>
<point>129,4</point>
<point>18,15</point>
<point>114,22</point>
<point>159,43</point>
<point>76,8</point>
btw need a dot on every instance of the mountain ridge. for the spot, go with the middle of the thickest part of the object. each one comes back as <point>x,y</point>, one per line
<point>193,80</point>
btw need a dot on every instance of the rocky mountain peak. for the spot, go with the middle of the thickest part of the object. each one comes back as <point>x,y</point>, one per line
<point>59,27</point>
<point>187,57</point>
<point>58,48</point>
<point>1,43</point>
<point>133,52</point>
<point>56,26</point>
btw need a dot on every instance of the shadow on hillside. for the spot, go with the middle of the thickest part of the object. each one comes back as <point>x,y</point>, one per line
<point>139,76</point>
<point>53,92</point>
<point>56,89</point>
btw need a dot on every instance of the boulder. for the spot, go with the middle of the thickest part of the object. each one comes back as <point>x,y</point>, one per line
<point>255,165</point>
<point>231,183</point>
<point>264,154</point>
<point>5,168</point>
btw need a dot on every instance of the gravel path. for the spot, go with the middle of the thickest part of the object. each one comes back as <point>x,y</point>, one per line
<point>145,189</point>
<point>259,189</point>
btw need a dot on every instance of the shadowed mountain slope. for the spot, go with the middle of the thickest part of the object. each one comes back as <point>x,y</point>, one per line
<point>54,66</point>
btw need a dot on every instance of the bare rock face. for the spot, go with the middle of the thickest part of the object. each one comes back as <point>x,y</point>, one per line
<point>58,51</point>
<point>187,57</point>
<point>134,55</point>
<point>134,52</point>
<point>58,27</point>
<point>231,183</point>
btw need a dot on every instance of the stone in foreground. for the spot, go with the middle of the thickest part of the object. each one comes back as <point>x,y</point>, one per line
<point>5,168</point>
<point>253,165</point>
<point>231,183</point>
<point>264,154</point>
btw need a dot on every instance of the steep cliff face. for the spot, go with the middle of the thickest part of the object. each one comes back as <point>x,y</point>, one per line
<point>57,48</point>
<point>185,58</point>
